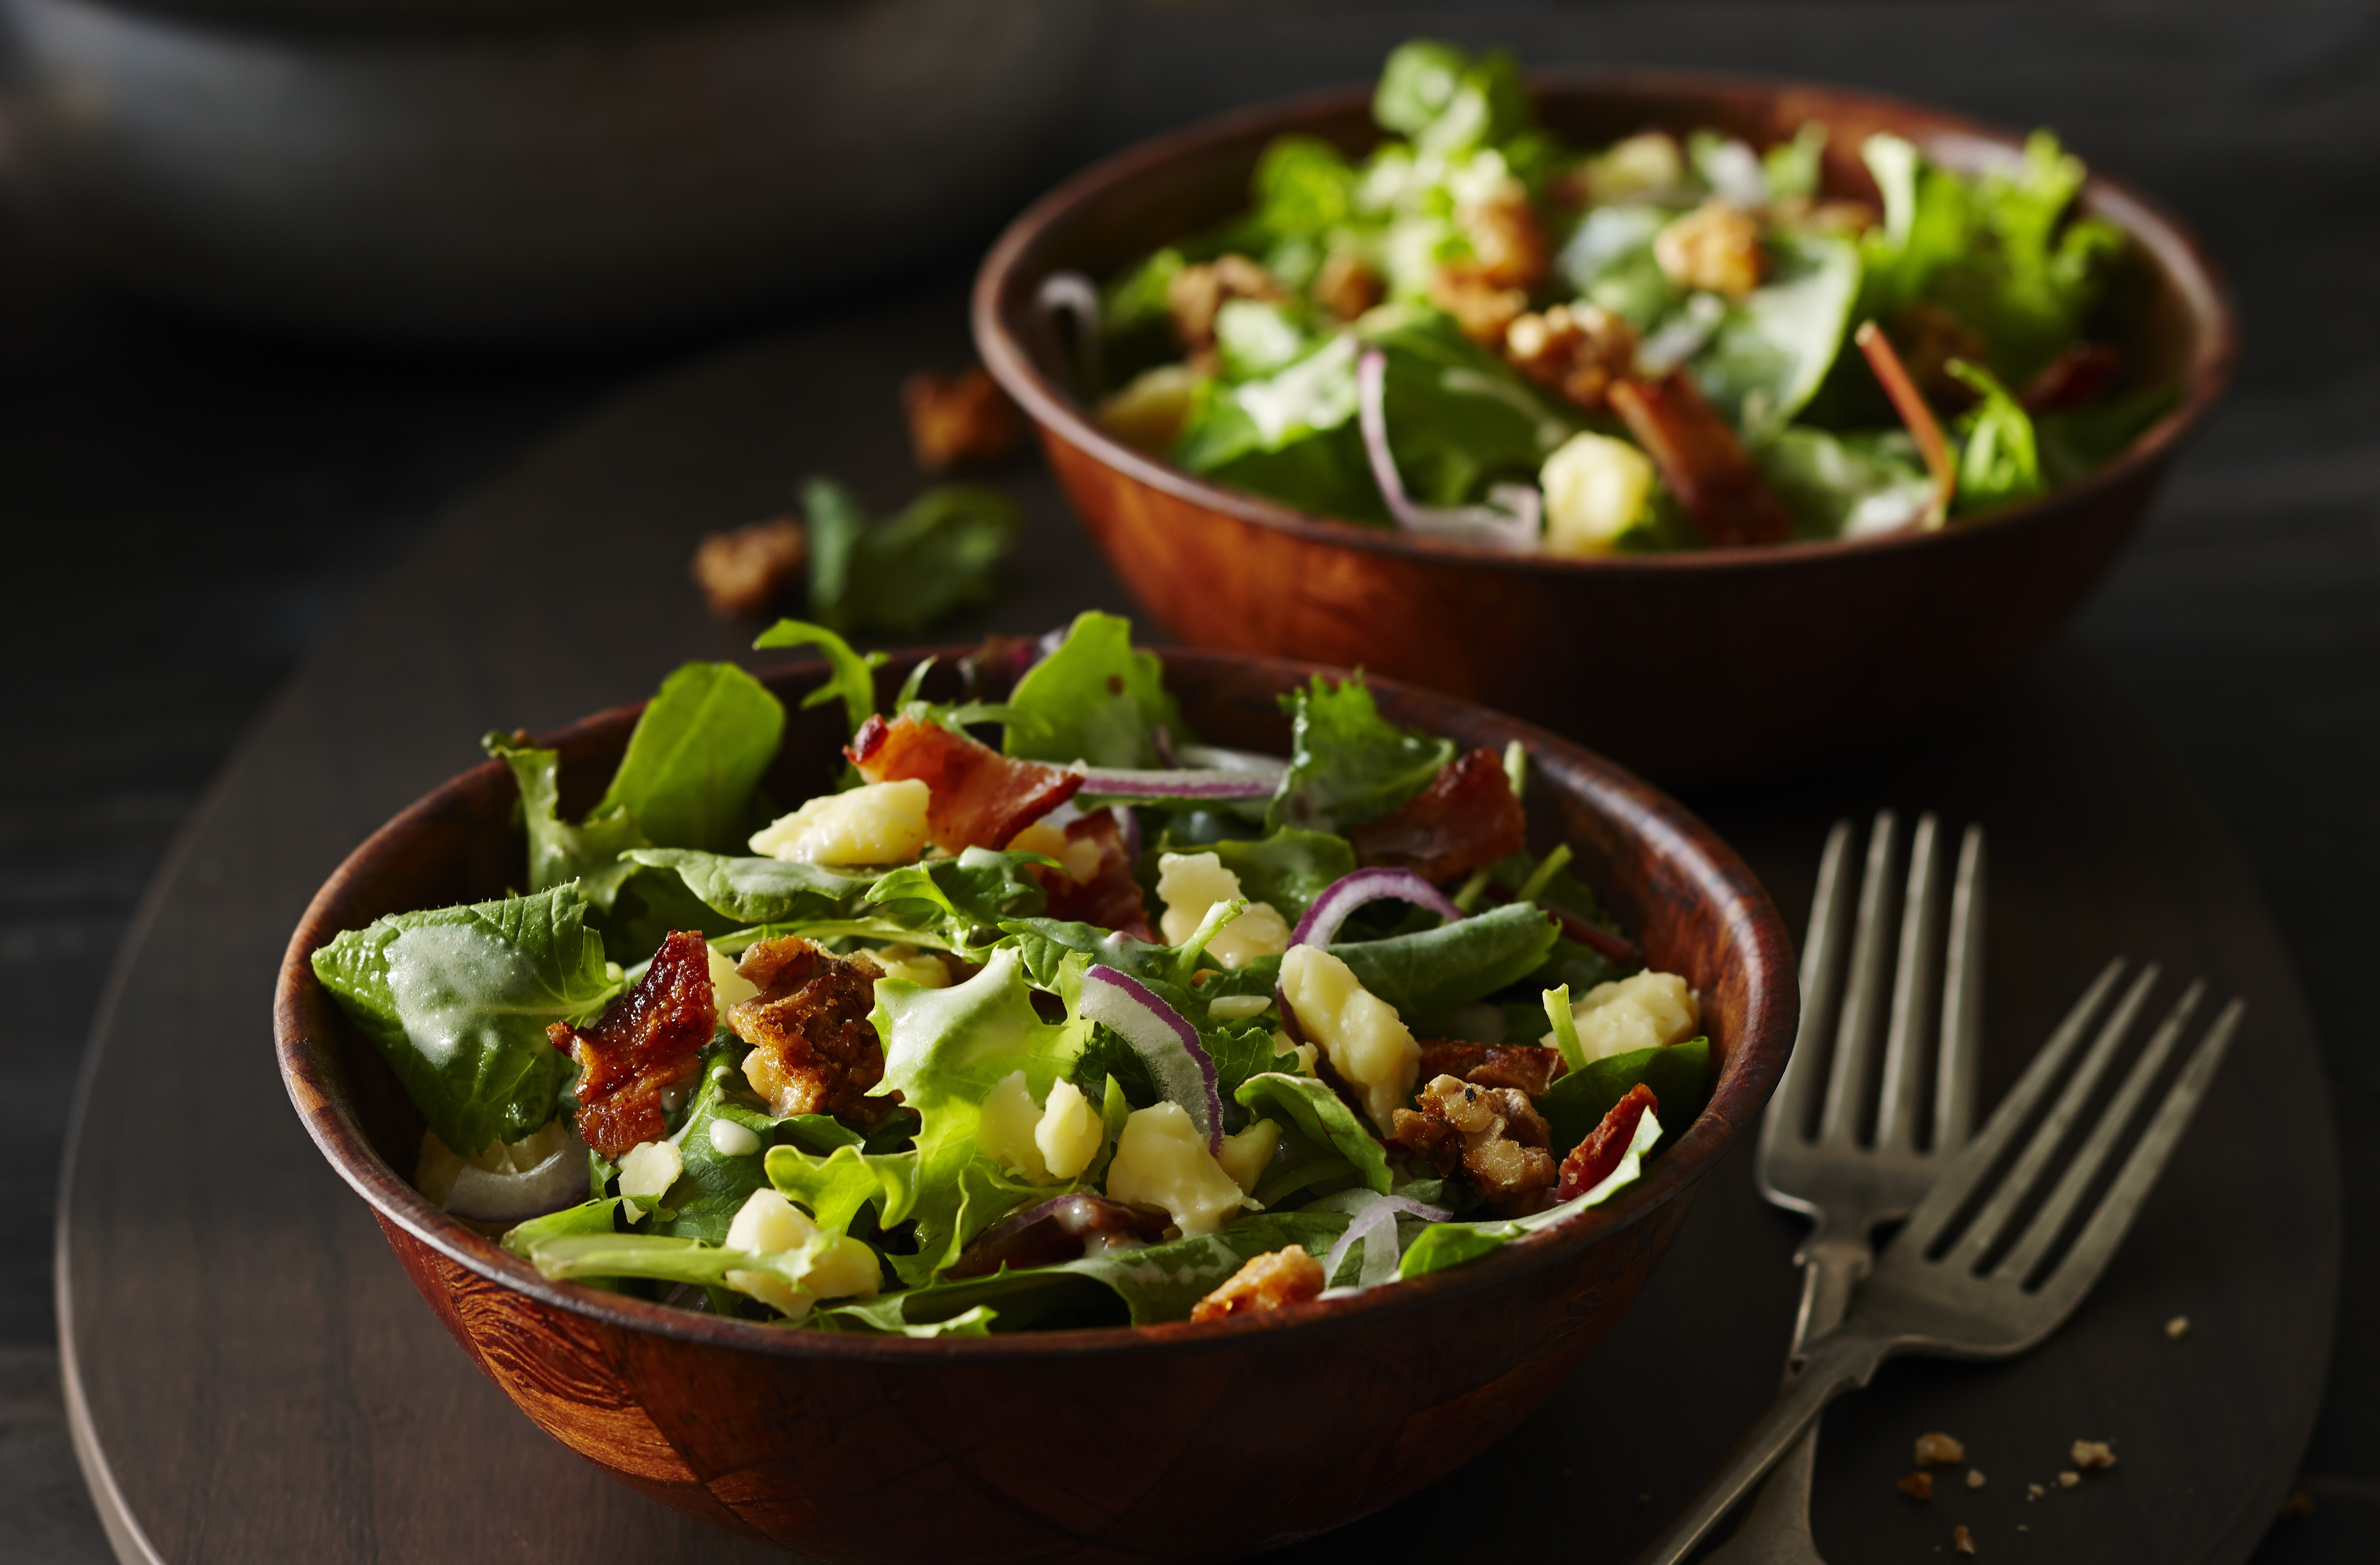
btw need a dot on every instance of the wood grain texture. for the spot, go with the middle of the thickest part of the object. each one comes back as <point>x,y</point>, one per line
<point>827,1443</point>
<point>1775,647</point>
<point>266,1385</point>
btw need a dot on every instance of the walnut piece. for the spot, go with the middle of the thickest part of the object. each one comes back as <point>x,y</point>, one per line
<point>1520,1065</point>
<point>1937,1451</point>
<point>967,418</point>
<point>813,1051</point>
<point>1961,1540</point>
<point>1198,292</point>
<point>1267,1282</point>
<point>1918,1486</point>
<point>1482,309</point>
<point>1345,285</point>
<point>1508,245</point>
<point>1494,1132</point>
<point>1714,248</point>
<point>2092,1456</point>
<point>1576,350</point>
<point>743,571</point>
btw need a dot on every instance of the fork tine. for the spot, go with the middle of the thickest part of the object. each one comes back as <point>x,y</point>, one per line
<point>1989,1224</point>
<point>2097,1243</point>
<point>1855,1034</point>
<point>2050,1221</point>
<point>1789,1107</point>
<point>1963,1002</point>
<point>1914,973</point>
<point>1951,1188</point>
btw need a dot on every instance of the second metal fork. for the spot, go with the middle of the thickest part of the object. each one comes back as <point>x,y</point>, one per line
<point>1846,1181</point>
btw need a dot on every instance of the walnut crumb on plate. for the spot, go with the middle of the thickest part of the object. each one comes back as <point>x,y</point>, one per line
<point>2178,1328</point>
<point>2092,1456</point>
<point>2069,1478</point>
<point>1938,1450</point>
<point>1962,1540</point>
<point>1918,1486</point>
<point>2033,1491</point>
<point>1974,1477</point>
<point>2300,1503</point>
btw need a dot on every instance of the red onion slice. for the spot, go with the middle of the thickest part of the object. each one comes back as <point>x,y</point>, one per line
<point>1186,783</point>
<point>1217,758</point>
<point>1349,893</point>
<point>1183,1072</point>
<point>1509,522</point>
<point>1380,1212</point>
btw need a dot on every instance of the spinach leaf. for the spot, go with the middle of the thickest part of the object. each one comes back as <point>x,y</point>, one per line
<point>1770,351</point>
<point>1094,698</point>
<point>1609,261</point>
<point>851,679</point>
<point>1999,464</point>
<point>1347,763</point>
<point>457,1001</point>
<point>759,890</point>
<point>1291,435</point>
<point>1845,486</point>
<point>695,757</point>
<point>1432,971</point>
<point>1310,1107</point>
<point>1458,416</point>
<point>1679,1075</point>
<point>714,1184</point>
<point>903,574</point>
<point>1288,868</point>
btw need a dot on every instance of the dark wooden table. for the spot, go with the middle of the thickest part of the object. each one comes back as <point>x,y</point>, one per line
<point>190,509</point>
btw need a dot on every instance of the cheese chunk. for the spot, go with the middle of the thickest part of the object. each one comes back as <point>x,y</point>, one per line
<point>923,968</point>
<point>1161,1160</point>
<point>767,1224</point>
<point>1649,1011</point>
<point>1070,1132</point>
<point>1247,1155</point>
<point>727,985</point>
<point>1189,884</point>
<point>1078,856</point>
<point>880,823</point>
<point>1005,1132</point>
<point>1359,1033</point>
<point>650,1168</point>
<point>1596,488</point>
<point>839,1266</point>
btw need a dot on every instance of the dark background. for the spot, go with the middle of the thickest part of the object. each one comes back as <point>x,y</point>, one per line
<point>185,507</point>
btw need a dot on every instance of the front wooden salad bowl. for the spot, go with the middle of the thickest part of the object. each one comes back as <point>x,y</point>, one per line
<point>1168,1442</point>
<point>1707,665</point>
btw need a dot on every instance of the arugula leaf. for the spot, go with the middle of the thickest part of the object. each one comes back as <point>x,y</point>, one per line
<point>1316,1113</point>
<point>558,852</point>
<point>2050,276</point>
<point>1044,945</point>
<point>696,755</point>
<point>1999,464</point>
<point>1094,698</point>
<point>1347,763</point>
<point>851,678</point>
<point>1793,167</point>
<point>901,575</point>
<point>1770,351</point>
<point>1241,1052</point>
<point>1288,868</point>
<point>457,1001</point>
<point>759,890</point>
<point>1679,1075</point>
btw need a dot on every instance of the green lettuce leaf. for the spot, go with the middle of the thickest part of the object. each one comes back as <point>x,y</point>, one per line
<point>1771,351</point>
<point>588,1216</point>
<point>1848,485</point>
<point>1998,463</point>
<point>836,1185</point>
<point>1458,416</point>
<point>1679,1075</point>
<point>981,886</point>
<point>851,677</point>
<point>1449,102</point>
<point>1094,698</point>
<point>1287,869</point>
<point>1304,187</point>
<point>1347,763</point>
<point>558,852</point>
<point>457,1001</point>
<point>1314,1111</point>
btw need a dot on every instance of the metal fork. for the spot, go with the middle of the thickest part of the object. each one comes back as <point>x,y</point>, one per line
<point>1845,1186</point>
<point>1995,1283</point>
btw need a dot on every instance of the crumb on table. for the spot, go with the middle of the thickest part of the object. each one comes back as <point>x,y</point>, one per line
<point>743,571</point>
<point>965,418</point>
<point>2178,1328</point>
<point>2069,1478</point>
<point>1974,1477</point>
<point>1962,1540</point>
<point>1940,1450</point>
<point>2092,1456</point>
<point>2033,1491</point>
<point>1918,1486</point>
<point>2300,1503</point>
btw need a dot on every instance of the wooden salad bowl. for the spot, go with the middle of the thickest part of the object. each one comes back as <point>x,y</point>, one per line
<point>1690,667</point>
<point>1164,1442</point>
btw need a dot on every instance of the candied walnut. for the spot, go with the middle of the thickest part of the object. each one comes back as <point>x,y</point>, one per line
<point>1109,895</point>
<point>981,798</point>
<point>1497,1133</point>
<point>1508,245</point>
<point>743,571</point>
<point>2092,1456</point>
<point>645,1042</point>
<point>965,419</point>
<point>1701,460</point>
<point>2073,378</point>
<point>1482,309</point>
<point>1601,1149</point>
<point>1063,1230</point>
<point>1267,1282</point>
<point>1197,293</point>
<point>1577,350</point>
<point>1961,1540</point>
<point>1917,1485</point>
<point>1714,248</point>
<point>1345,285</point>
<point>1938,1451</point>
<point>813,1051</point>
<point>1521,1066</point>
<point>1466,817</point>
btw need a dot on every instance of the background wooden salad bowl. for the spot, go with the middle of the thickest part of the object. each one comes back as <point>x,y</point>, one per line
<point>1170,1442</point>
<point>1690,667</point>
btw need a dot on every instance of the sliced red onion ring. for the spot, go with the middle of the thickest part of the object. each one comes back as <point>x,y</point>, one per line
<point>1181,1069</point>
<point>1382,1211</point>
<point>1508,522</point>
<point>1182,783</point>
<point>1219,759</point>
<point>1349,893</point>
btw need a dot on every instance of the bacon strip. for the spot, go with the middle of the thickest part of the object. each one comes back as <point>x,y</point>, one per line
<point>1704,463</point>
<point>647,1041</point>
<point>981,798</point>
<point>1592,1160</point>
<point>814,1050</point>
<point>1111,897</point>
<point>1466,817</point>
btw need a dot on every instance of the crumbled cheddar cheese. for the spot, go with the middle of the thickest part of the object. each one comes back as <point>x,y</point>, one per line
<point>1005,1130</point>
<point>1360,1033</point>
<point>1190,884</point>
<point>922,968</point>
<point>1161,1160</point>
<point>650,1168</point>
<point>1596,488</point>
<point>1649,1011</point>
<point>1248,1154</point>
<point>1070,1132</point>
<point>727,985</point>
<point>880,823</point>
<point>1079,856</point>
<point>767,1224</point>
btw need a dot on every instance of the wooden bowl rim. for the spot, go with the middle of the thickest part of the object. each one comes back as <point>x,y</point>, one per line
<point>2194,277</point>
<point>1771,1014</point>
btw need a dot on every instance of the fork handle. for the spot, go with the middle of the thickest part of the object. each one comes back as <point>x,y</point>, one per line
<point>1836,1362</point>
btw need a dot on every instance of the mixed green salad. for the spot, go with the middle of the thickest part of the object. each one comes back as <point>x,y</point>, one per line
<point>1478,334</point>
<point>1040,1015</point>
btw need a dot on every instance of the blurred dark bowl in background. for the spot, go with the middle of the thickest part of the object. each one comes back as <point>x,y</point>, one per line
<point>526,173</point>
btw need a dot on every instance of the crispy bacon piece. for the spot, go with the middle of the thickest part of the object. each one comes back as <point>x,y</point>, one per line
<point>1266,1283</point>
<point>645,1042</point>
<point>1046,1234</point>
<point>2073,377</point>
<point>1523,1066</point>
<point>1494,1131</point>
<point>1467,817</point>
<point>1704,463</point>
<point>813,1050</point>
<point>981,797</point>
<point>1592,1160</point>
<point>1110,897</point>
